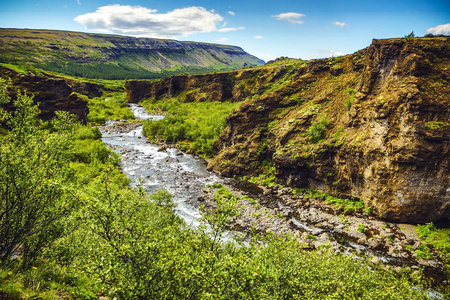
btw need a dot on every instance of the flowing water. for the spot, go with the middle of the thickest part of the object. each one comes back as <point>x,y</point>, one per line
<point>183,175</point>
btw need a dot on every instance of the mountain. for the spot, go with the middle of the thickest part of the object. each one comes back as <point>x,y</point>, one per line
<point>373,125</point>
<point>116,57</point>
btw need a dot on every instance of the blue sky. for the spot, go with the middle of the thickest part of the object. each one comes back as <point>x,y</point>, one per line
<point>267,29</point>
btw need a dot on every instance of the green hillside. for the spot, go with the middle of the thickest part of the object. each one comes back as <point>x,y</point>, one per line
<point>116,57</point>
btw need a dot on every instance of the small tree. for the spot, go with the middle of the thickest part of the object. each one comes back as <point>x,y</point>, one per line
<point>33,180</point>
<point>410,36</point>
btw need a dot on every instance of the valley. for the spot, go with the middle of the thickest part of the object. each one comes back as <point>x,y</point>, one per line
<point>340,162</point>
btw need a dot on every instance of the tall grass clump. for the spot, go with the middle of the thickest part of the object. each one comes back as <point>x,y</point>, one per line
<point>194,125</point>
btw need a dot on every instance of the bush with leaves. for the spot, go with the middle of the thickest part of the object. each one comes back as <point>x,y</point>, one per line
<point>111,106</point>
<point>35,193</point>
<point>317,129</point>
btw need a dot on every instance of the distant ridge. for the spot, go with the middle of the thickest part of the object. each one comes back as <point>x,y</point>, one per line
<point>116,57</point>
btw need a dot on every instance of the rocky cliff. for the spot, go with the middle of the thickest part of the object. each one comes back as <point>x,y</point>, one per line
<point>116,57</point>
<point>52,93</point>
<point>373,125</point>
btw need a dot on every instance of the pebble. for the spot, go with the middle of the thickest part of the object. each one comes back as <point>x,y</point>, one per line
<point>375,260</point>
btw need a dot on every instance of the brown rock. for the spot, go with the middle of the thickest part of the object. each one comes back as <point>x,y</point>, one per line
<point>51,92</point>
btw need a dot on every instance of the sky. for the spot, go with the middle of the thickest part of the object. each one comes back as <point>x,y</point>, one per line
<point>268,29</point>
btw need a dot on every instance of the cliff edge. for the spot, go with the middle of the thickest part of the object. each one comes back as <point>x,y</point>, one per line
<point>51,92</point>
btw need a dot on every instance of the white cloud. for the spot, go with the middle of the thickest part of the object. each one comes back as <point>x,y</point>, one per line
<point>440,29</point>
<point>145,22</point>
<point>78,1</point>
<point>290,17</point>
<point>223,40</point>
<point>340,24</point>
<point>228,29</point>
<point>258,37</point>
<point>325,53</point>
<point>231,13</point>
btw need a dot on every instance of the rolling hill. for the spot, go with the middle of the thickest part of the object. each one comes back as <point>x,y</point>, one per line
<point>116,57</point>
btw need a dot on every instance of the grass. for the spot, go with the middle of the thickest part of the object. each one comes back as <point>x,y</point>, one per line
<point>347,204</point>
<point>266,176</point>
<point>193,126</point>
<point>45,280</point>
<point>111,106</point>
<point>317,129</point>
<point>110,57</point>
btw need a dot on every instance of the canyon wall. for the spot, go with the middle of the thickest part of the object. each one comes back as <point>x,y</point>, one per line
<point>51,92</point>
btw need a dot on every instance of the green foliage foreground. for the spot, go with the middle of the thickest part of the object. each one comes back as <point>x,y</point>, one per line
<point>72,228</point>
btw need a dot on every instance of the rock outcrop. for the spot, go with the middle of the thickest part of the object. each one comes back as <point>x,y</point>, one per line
<point>52,93</point>
<point>372,125</point>
<point>206,87</point>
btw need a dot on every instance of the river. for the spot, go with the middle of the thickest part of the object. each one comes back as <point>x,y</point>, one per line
<point>182,175</point>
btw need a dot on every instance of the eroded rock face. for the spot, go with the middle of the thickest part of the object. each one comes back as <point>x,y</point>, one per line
<point>395,137</point>
<point>373,125</point>
<point>52,93</point>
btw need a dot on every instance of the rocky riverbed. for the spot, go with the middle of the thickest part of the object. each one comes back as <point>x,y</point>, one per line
<point>318,225</point>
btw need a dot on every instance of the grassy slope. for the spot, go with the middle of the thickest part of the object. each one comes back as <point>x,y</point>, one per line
<point>114,57</point>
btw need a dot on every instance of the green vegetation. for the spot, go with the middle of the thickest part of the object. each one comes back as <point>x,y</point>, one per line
<point>44,169</point>
<point>286,61</point>
<point>349,101</point>
<point>266,175</point>
<point>438,239</point>
<point>361,228</point>
<point>111,106</point>
<point>79,232</point>
<point>118,71</point>
<point>350,204</point>
<point>194,126</point>
<point>317,129</point>
<point>435,125</point>
<point>113,57</point>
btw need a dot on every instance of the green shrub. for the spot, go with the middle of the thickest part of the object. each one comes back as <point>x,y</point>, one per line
<point>34,170</point>
<point>424,252</point>
<point>425,231</point>
<point>349,101</point>
<point>361,228</point>
<point>317,129</point>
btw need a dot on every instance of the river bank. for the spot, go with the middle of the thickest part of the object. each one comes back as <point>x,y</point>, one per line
<point>318,225</point>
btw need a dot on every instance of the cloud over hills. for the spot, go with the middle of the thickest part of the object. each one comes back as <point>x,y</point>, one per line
<point>440,29</point>
<point>145,22</point>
